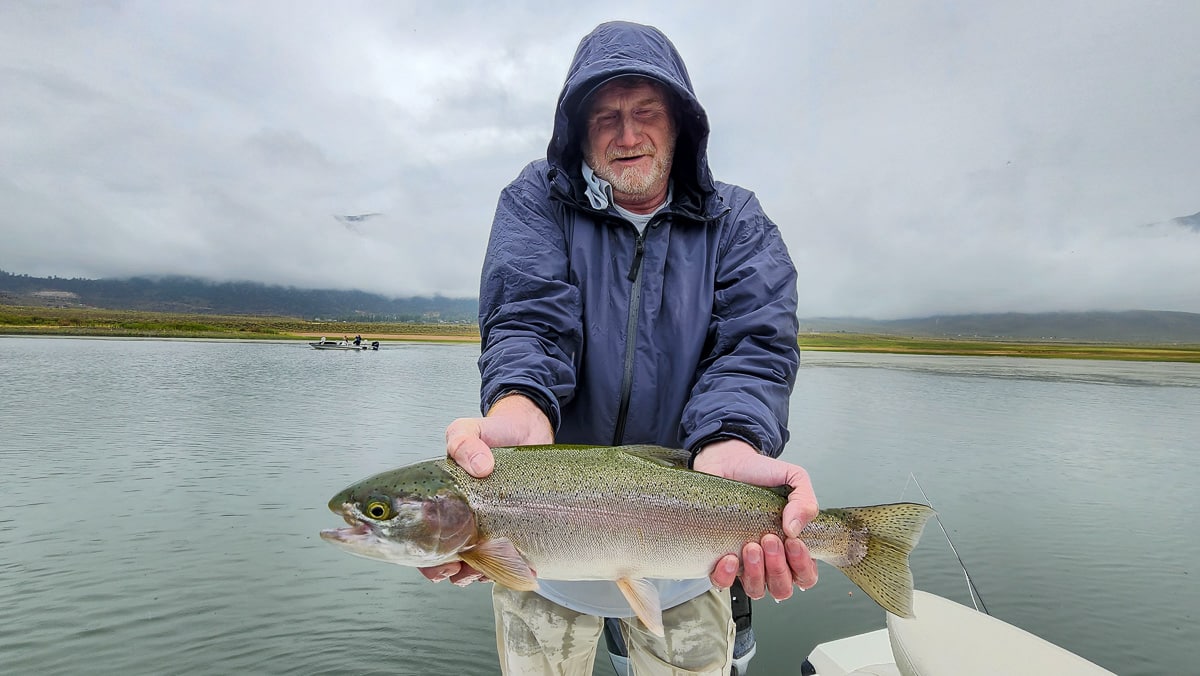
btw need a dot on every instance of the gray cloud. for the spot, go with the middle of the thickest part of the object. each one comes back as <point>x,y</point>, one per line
<point>919,157</point>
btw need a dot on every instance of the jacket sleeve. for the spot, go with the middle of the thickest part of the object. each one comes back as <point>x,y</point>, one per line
<point>529,313</point>
<point>745,380</point>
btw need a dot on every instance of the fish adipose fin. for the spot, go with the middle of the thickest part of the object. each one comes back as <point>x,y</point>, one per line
<point>883,573</point>
<point>500,561</point>
<point>643,598</point>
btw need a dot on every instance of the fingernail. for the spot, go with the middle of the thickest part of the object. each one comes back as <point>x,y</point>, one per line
<point>794,528</point>
<point>771,546</point>
<point>477,466</point>
<point>730,566</point>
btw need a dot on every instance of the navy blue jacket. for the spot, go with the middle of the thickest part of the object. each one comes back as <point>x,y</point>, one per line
<point>679,336</point>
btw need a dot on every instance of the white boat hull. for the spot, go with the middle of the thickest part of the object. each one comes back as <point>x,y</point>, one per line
<point>945,638</point>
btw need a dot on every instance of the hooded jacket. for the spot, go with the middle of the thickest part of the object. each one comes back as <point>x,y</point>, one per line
<point>679,336</point>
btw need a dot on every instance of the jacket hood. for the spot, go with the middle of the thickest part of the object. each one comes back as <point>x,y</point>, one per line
<point>621,48</point>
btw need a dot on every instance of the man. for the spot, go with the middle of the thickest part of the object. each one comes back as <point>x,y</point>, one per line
<point>627,297</point>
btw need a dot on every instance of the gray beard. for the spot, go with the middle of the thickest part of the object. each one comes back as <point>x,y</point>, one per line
<point>632,181</point>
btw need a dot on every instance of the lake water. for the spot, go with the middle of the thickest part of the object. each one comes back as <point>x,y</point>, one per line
<point>161,502</point>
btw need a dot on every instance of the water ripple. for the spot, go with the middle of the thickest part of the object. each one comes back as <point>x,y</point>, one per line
<point>161,514</point>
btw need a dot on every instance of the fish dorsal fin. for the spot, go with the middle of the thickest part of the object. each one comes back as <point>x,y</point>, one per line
<point>782,491</point>
<point>667,457</point>
<point>643,598</point>
<point>659,455</point>
<point>545,447</point>
<point>500,561</point>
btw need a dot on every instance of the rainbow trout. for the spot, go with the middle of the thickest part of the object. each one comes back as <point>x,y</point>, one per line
<point>623,513</point>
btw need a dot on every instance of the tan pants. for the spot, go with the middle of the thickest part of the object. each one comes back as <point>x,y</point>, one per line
<point>537,637</point>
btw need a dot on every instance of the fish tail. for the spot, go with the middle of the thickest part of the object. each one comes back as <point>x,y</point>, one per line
<point>892,533</point>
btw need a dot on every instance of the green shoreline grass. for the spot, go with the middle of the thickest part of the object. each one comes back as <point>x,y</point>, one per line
<point>852,342</point>
<point>18,320</point>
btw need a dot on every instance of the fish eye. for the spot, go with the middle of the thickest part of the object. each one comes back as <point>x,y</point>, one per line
<point>379,510</point>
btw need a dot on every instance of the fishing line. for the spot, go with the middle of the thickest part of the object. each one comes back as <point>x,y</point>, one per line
<point>971,588</point>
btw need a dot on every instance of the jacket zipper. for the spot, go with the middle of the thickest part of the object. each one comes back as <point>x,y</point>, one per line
<point>631,324</point>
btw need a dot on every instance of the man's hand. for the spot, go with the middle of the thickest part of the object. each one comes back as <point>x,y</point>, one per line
<point>512,421</point>
<point>773,565</point>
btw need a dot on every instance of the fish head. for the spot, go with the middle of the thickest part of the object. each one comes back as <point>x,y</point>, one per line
<point>412,516</point>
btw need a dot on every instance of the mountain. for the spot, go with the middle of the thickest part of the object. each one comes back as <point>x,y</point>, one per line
<point>1191,222</point>
<point>1187,222</point>
<point>1134,326</point>
<point>199,296</point>
<point>191,295</point>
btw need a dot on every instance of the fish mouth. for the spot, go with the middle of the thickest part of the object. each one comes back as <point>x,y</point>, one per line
<point>357,531</point>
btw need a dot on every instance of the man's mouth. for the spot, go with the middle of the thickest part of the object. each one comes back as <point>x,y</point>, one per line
<point>631,156</point>
<point>631,162</point>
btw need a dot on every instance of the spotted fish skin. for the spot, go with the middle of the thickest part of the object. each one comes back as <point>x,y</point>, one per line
<point>625,513</point>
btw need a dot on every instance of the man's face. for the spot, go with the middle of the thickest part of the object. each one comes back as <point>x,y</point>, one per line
<point>631,140</point>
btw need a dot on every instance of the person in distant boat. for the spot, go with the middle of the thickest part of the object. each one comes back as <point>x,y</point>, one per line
<point>628,297</point>
<point>358,340</point>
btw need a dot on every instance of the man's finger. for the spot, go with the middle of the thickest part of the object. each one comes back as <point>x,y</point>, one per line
<point>464,446</point>
<point>442,572</point>
<point>800,509</point>
<point>753,573</point>
<point>464,579</point>
<point>804,568</point>
<point>779,576</point>
<point>725,572</point>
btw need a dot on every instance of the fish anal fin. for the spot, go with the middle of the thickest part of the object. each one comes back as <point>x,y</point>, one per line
<point>643,598</point>
<point>500,561</point>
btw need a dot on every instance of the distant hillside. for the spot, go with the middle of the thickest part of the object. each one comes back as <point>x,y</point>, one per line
<point>1135,326</point>
<point>191,295</point>
<point>1191,222</point>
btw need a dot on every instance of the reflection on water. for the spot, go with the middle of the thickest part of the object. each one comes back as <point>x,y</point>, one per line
<point>1152,374</point>
<point>162,500</point>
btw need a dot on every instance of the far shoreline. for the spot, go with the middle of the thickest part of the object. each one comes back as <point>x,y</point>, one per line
<point>100,323</point>
<point>842,342</point>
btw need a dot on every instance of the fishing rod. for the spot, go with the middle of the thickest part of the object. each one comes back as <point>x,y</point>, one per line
<point>971,588</point>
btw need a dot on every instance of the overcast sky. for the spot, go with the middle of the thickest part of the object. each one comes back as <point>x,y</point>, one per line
<point>919,157</point>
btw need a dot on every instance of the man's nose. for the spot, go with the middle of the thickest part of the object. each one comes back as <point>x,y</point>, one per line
<point>630,131</point>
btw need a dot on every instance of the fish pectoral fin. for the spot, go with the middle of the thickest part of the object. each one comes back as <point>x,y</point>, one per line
<point>500,561</point>
<point>643,598</point>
